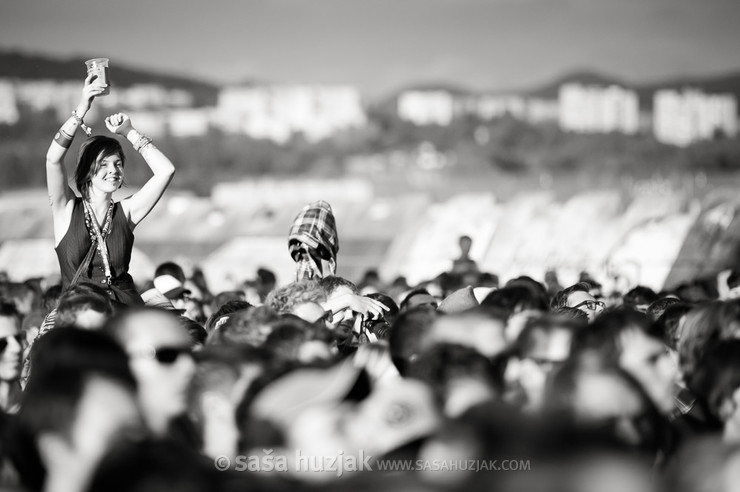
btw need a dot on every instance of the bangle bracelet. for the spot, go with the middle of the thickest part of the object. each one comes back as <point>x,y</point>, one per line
<point>85,128</point>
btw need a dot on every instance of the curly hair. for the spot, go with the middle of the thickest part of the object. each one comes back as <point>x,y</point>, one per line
<point>284,299</point>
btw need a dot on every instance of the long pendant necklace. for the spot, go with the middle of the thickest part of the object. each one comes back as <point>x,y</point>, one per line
<point>98,235</point>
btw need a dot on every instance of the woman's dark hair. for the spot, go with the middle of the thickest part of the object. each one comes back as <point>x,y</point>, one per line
<point>91,149</point>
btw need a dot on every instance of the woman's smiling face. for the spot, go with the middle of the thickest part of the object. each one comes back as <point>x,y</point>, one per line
<point>108,176</point>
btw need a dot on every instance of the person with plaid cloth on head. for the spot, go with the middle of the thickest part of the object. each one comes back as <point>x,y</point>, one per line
<point>313,241</point>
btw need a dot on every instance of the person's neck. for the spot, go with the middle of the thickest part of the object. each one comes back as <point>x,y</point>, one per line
<point>4,394</point>
<point>70,479</point>
<point>157,423</point>
<point>99,201</point>
<point>219,438</point>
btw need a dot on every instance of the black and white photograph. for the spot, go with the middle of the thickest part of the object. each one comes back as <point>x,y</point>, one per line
<point>363,245</point>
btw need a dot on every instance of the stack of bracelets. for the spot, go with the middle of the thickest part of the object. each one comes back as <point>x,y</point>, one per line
<point>141,142</point>
<point>64,139</point>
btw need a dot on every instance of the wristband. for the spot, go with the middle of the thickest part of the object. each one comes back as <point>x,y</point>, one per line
<point>85,128</point>
<point>62,139</point>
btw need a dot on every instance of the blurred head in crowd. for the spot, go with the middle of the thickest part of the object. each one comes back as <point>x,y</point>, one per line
<point>19,293</point>
<point>244,327</point>
<point>658,306</point>
<point>418,297</point>
<point>621,338</point>
<point>222,298</point>
<point>221,314</point>
<point>159,351</point>
<point>578,296</point>
<point>50,298</point>
<point>541,348</point>
<point>75,408</point>
<point>76,348</point>
<point>409,335</point>
<point>154,466</point>
<point>85,311</point>
<point>11,342</point>
<point>480,328</point>
<point>717,379</point>
<point>303,299</point>
<point>666,326</point>
<point>172,269</point>
<point>609,402</point>
<point>703,327</point>
<point>175,291</point>
<point>222,378</point>
<point>195,331</point>
<point>293,339</point>
<point>521,299</point>
<point>517,296</point>
<point>460,376</point>
<point>639,298</point>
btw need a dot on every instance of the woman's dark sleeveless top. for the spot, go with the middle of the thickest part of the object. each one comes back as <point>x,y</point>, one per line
<point>75,244</point>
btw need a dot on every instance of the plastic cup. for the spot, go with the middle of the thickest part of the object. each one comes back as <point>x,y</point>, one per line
<point>99,67</point>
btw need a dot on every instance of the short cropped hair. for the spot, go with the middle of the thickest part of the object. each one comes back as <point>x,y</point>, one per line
<point>331,283</point>
<point>560,299</point>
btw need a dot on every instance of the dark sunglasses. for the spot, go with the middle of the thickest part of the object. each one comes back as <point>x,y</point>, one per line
<point>6,340</point>
<point>164,355</point>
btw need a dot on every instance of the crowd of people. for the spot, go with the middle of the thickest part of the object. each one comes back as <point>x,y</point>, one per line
<point>554,392</point>
<point>457,383</point>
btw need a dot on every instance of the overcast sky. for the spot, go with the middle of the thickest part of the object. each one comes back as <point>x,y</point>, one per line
<point>380,45</point>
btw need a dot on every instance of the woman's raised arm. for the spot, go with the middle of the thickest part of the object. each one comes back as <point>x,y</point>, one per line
<point>138,205</point>
<point>60,194</point>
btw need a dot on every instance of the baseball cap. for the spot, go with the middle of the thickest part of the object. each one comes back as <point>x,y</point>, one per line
<point>170,286</point>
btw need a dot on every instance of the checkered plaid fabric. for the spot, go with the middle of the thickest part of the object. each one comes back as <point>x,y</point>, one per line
<point>314,230</point>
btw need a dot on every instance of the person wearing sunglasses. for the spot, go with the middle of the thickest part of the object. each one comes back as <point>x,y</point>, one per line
<point>578,296</point>
<point>158,347</point>
<point>11,356</point>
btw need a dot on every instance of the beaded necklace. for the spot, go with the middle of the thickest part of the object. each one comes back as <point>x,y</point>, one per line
<point>98,235</point>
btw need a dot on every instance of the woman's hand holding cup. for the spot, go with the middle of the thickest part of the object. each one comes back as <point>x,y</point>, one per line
<point>92,89</point>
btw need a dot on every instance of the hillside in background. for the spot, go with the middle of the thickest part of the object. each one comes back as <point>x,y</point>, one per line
<point>18,65</point>
<point>27,66</point>
<point>716,84</point>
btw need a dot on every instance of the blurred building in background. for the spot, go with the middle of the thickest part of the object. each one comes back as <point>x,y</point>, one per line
<point>595,109</point>
<point>682,118</point>
<point>8,106</point>
<point>278,112</point>
<point>441,107</point>
<point>427,107</point>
